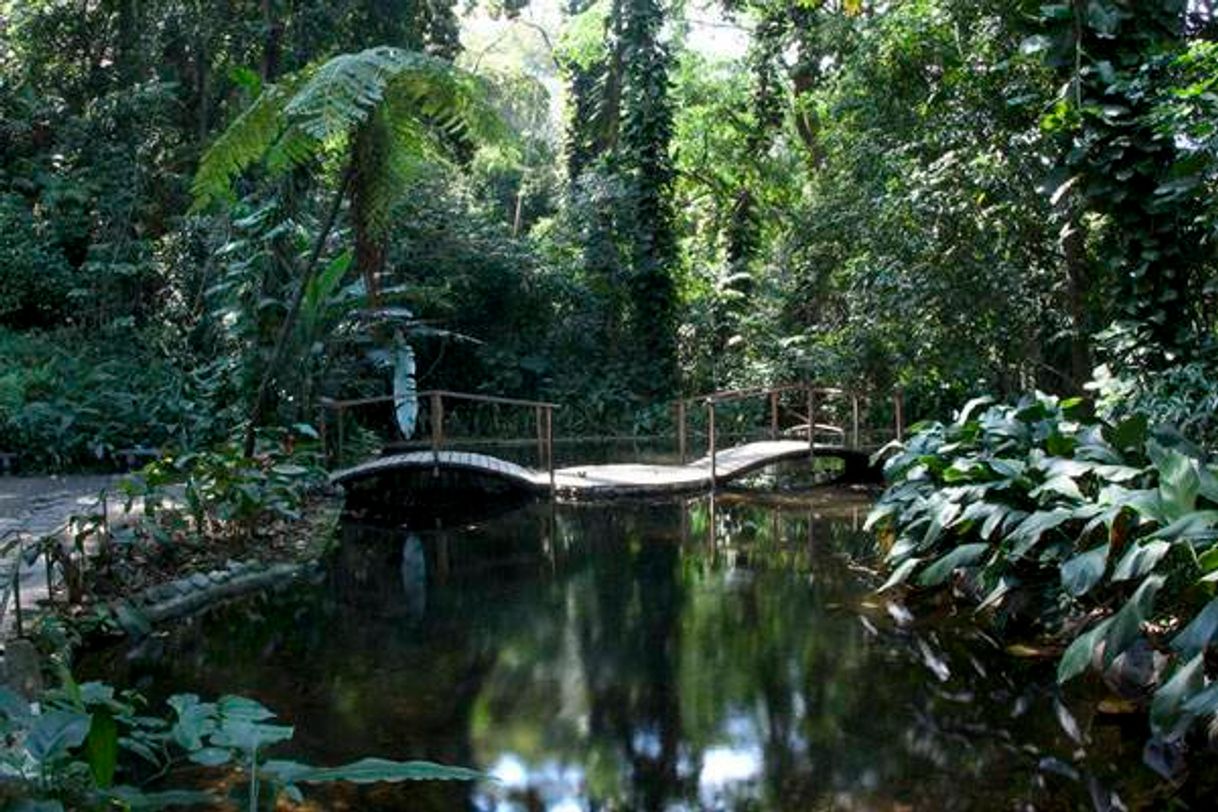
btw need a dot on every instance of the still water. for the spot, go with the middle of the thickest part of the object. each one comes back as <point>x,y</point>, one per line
<point>683,655</point>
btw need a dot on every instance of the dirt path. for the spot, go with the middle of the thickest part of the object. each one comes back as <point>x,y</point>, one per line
<point>30,509</point>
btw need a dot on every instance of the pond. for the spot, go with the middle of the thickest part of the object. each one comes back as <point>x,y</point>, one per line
<point>680,655</point>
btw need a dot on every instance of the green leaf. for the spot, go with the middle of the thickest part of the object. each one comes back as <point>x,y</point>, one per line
<point>1196,636</point>
<point>1127,623</point>
<point>101,748</point>
<point>1081,573</point>
<point>900,574</point>
<point>1169,701</point>
<point>961,556</point>
<point>249,736</point>
<point>368,771</point>
<point>211,756</point>
<point>1030,530</point>
<point>242,709</point>
<point>56,732</point>
<point>1061,486</point>
<point>1140,559</point>
<point>195,720</point>
<point>1077,656</point>
<point>1179,481</point>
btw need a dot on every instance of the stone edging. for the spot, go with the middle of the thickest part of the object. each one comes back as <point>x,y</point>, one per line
<point>189,594</point>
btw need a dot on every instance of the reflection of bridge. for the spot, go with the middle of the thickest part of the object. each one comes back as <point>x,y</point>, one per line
<point>806,437</point>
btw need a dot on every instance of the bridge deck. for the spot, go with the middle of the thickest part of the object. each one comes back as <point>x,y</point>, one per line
<point>592,481</point>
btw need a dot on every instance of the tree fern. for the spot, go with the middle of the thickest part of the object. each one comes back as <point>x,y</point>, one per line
<point>426,102</point>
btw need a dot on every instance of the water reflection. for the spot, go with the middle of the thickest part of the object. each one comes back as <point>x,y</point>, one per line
<point>723,655</point>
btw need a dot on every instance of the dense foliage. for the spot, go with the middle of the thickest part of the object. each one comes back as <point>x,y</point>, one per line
<point>1104,534</point>
<point>87,746</point>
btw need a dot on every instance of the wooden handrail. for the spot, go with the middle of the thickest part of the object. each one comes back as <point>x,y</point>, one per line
<point>331,403</point>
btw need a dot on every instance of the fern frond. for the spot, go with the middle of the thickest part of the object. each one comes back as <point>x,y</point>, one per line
<point>245,141</point>
<point>425,104</point>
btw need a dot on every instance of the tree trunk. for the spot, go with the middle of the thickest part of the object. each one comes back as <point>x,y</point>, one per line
<point>258,408</point>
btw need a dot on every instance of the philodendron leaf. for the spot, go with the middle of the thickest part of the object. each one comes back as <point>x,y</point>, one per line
<point>1196,636</point>
<point>195,720</point>
<point>56,732</point>
<point>961,556</point>
<point>1081,573</point>
<point>1127,623</point>
<point>1077,655</point>
<point>239,708</point>
<point>249,736</point>
<point>368,771</point>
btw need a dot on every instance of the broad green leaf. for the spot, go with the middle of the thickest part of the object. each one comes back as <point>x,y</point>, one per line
<point>1130,433</point>
<point>1198,634</point>
<point>56,732</point>
<point>101,748</point>
<point>1077,656</point>
<point>1170,699</point>
<point>242,709</point>
<point>1179,482</point>
<point>195,720</point>
<point>1140,559</point>
<point>211,756</point>
<point>1061,486</point>
<point>249,736</point>
<point>961,556</point>
<point>1030,530</point>
<point>1081,573</point>
<point>900,574</point>
<point>1200,525</point>
<point>1127,622</point>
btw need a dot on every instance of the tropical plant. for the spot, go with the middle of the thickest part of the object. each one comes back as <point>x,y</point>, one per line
<point>1105,534</point>
<point>70,750</point>
<point>227,495</point>
<point>387,111</point>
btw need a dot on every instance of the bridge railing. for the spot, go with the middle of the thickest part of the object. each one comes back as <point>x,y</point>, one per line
<point>814,406</point>
<point>435,421</point>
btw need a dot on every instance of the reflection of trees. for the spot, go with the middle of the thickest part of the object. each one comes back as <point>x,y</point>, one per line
<point>623,647</point>
<point>628,627</point>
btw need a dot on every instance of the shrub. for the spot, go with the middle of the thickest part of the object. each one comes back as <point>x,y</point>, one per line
<point>1108,531</point>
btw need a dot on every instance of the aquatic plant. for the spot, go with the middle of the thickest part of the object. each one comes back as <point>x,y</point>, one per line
<point>1104,535</point>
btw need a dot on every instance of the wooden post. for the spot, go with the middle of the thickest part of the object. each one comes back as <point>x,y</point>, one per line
<point>812,430</point>
<point>681,429</point>
<point>854,407</point>
<point>811,418</point>
<point>710,439</point>
<point>437,426</point>
<point>325,439</point>
<point>338,459</point>
<point>541,436</point>
<point>550,446</point>
<point>898,402</point>
<point>773,415</point>
<point>17,584</point>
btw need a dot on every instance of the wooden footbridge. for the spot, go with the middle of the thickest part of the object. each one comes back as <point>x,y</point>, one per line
<point>794,432</point>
